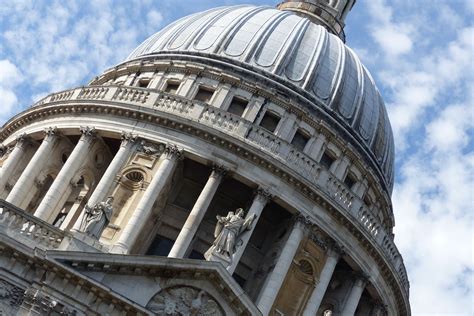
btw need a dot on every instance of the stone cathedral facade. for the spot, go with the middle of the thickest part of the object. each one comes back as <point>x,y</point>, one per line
<point>238,162</point>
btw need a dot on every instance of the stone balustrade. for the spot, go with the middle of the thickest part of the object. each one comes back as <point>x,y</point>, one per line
<point>19,224</point>
<point>94,93</point>
<point>254,135</point>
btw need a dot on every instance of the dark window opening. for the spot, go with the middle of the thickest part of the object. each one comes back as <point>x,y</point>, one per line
<point>350,180</point>
<point>204,94</point>
<point>300,140</point>
<point>237,106</point>
<point>269,121</point>
<point>172,87</point>
<point>196,255</point>
<point>367,200</point>
<point>143,83</point>
<point>240,280</point>
<point>327,160</point>
<point>160,246</point>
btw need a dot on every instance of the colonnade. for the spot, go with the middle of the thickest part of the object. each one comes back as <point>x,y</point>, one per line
<point>132,229</point>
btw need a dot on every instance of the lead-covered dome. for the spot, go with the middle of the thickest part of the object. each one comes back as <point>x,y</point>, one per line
<point>296,51</point>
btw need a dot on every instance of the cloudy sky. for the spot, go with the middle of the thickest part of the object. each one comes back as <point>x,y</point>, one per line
<point>420,53</point>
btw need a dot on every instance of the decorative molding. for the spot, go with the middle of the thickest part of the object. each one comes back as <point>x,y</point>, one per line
<point>151,149</point>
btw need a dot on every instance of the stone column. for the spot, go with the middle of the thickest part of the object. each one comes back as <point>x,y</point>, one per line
<point>142,213</point>
<point>354,296</point>
<point>62,182</point>
<point>196,215</point>
<point>27,179</point>
<point>105,183</point>
<point>256,209</point>
<point>12,160</point>
<point>277,276</point>
<point>333,255</point>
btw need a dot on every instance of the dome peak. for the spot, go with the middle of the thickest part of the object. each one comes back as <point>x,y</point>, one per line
<point>329,13</point>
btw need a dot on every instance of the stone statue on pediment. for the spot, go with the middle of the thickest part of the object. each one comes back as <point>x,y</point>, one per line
<point>227,235</point>
<point>97,217</point>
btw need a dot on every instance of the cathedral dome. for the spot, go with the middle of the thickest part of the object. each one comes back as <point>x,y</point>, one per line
<point>291,50</point>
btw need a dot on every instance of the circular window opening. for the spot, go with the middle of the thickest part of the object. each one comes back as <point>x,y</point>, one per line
<point>134,176</point>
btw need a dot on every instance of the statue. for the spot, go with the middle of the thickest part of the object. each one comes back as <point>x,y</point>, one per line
<point>96,218</point>
<point>227,233</point>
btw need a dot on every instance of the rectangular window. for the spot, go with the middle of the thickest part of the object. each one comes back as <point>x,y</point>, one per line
<point>350,180</point>
<point>172,86</point>
<point>269,121</point>
<point>327,160</point>
<point>143,83</point>
<point>160,246</point>
<point>204,94</point>
<point>300,140</point>
<point>237,106</point>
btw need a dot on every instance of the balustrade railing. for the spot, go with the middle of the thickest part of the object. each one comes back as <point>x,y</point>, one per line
<point>94,93</point>
<point>265,139</point>
<point>246,131</point>
<point>17,223</point>
<point>130,94</point>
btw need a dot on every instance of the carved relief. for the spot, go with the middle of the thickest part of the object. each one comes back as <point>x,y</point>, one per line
<point>184,300</point>
<point>11,298</point>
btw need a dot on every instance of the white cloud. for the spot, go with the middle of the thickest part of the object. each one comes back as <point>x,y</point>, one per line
<point>10,78</point>
<point>428,81</point>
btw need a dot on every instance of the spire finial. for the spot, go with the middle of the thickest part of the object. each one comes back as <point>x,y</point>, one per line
<point>329,13</point>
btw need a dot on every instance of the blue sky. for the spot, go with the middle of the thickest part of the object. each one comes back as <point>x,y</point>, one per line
<point>419,52</point>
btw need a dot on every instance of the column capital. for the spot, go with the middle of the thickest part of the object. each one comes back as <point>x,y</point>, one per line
<point>303,221</point>
<point>127,138</point>
<point>263,194</point>
<point>361,278</point>
<point>172,152</point>
<point>88,132</point>
<point>218,171</point>
<point>50,132</point>
<point>22,140</point>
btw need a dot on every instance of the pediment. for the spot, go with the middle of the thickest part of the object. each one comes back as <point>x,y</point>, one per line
<point>163,285</point>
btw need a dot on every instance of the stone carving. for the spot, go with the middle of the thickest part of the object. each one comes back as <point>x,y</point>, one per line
<point>151,149</point>
<point>11,297</point>
<point>97,217</point>
<point>227,233</point>
<point>184,300</point>
<point>88,131</point>
<point>40,303</point>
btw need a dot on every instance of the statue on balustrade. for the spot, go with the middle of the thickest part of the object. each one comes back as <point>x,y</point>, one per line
<point>97,217</point>
<point>228,231</point>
